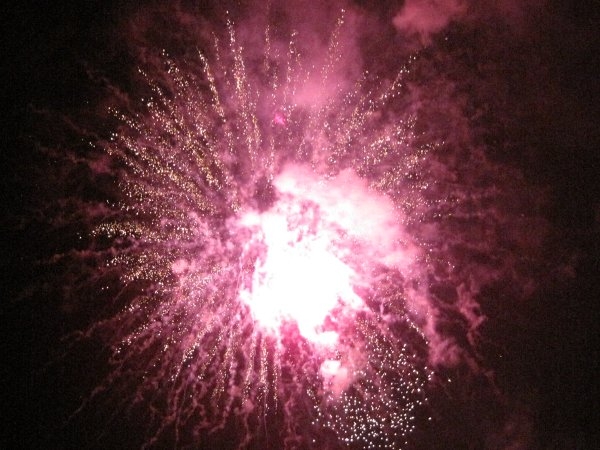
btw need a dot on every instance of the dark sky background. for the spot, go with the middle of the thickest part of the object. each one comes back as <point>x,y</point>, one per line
<point>46,48</point>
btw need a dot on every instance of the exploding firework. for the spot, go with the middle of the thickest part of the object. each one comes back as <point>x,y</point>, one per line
<point>283,242</point>
<point>266,243</point>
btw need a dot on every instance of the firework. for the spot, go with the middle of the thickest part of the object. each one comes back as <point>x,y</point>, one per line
<point>265,244</point>
<point>282,239</point>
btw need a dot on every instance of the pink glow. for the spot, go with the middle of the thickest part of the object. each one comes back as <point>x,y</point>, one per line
<point>336,376</point>
<point>315,245</point>
<point>425,18</point>
<point>279,118</point>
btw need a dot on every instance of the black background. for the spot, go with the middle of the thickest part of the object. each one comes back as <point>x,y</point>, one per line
<point>44,44</point>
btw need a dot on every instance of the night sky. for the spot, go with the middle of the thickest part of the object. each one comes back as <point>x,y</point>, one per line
<point>549,363</point>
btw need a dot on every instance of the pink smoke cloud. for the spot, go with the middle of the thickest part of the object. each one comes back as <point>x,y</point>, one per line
<point>422,19</point>
<point>419,20</point>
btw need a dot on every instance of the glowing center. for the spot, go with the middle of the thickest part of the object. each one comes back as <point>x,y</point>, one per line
<point>298,277</point>
<point>311,248</point>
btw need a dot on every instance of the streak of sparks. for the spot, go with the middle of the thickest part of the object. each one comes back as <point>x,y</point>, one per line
<point>241,207</point>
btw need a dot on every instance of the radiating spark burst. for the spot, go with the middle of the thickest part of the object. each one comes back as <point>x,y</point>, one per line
<point>265,244</point>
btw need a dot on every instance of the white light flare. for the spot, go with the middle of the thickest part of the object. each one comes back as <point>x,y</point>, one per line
<point>310,251</point>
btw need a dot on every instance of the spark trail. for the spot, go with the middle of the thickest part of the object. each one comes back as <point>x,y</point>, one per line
<point>265,242</point>
<point>271,251</point>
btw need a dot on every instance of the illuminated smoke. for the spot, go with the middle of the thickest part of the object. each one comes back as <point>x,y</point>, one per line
<point>264,241</point>
<point>292,242</point>
<point>425,18</point>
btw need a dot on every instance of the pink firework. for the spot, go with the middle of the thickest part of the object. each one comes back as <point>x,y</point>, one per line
<point>269,258</point>
<point>290,243</point>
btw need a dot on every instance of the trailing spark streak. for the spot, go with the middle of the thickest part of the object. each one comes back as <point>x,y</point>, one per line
<point>263,245</point>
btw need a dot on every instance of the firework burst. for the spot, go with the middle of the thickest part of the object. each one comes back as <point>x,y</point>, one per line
<point>265,243</point>
<point>289,246</point>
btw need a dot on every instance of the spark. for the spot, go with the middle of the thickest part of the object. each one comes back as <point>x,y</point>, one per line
<point>263,244</point>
